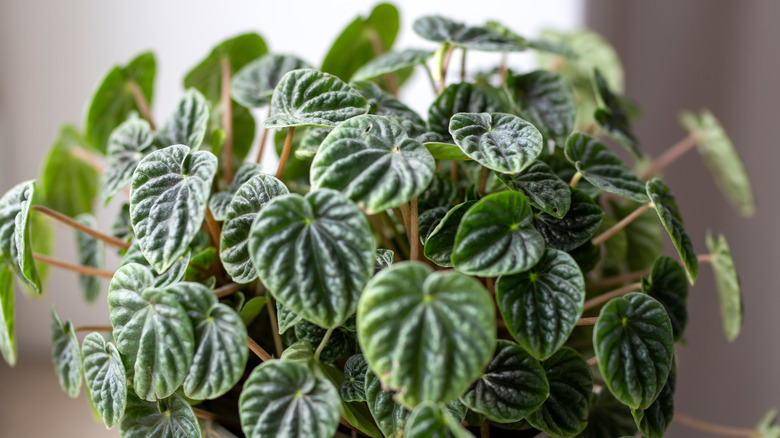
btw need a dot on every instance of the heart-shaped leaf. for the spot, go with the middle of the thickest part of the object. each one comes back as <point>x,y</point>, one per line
<point>115,98</point>
<point>284,398</point>
<point>576,228</point>
<point>391,62</point>
<point>653,421</point>
<point>542,306</point>
<point>722,160</point>
<point>434,420</point>
<point>669,214</point>
<point>353,388</point>
<point>169,418</point>
<point>220,201</point>
<point>602,168</point>
<point>168,199</point>
<point>512,386</point>
<point>728,285</point>
<point>307,97</point>
<point>66,354</point>
<point>152,330</point>
<point>252,309</point>
<point>7,315</point>
<point>188,123</point>
<point>372,161</point>
<point>496,237</point>
<point>425,334</point>
<point>65,162</point>
<point>428,220</point>
<point>15,239</point>
<point>565,412</point>
<point>127,145</point>
<point>314,254</point>
<point>546,100</point>
<point>441,240</point>
<point>543,188</point>
<point>464,97</point>
<point>633,333</point>
<point>667,284</point>
<point>254,84</point>
<point>498,141</point>
<point>248,201</point>
<point>90,251</point>
<point>443,30</point>
<point>106,378</point>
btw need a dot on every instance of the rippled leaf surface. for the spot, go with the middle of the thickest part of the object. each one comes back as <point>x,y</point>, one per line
<point>66,354</point>
<point>441,240</point>
<point>576,228</point>
<point>543,188</point>
<point>728,285</point>
<point>433,420</point>
<point>188,123</point>
<point>667,284</point>
<point>90,253</point>
<point>614,119</point>
<point>127,145</point>
<point>443,30</point>
<point>546,100</point>
<point>105,377</point>
<point>464,97</point>
<point>254,84</point>
<point>15,238</point>
<point>169,418</point>
<point>669,214</point>
<point>353,389</point>
<point>653,421</point>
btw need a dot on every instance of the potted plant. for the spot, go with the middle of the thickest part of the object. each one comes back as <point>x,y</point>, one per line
<point>491,268</point>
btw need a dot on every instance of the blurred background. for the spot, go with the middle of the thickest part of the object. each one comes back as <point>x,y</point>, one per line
<point>683,54</point>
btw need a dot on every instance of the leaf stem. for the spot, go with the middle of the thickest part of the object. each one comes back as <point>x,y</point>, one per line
<point>603,237</point>
<point>444,67</point>
<point>285,152</point>
<point>85,270</point>
<point>463,64</point>
<point>213,226</point>
<point>379,49</point>
<point>619,279</point>
<point>376,224</point>
<point>484,430</point>
<point>227,121</point>
<point>91,160</point>
<point>210,416</point>
<point>401,243</point>
<point>704,258</point>
<point>454,174</point>
<point>575,179</point>
<point>404,210</point>
<point>228,289</point>
<point>716,429</point>
<point>593,361</point>
<point>258,350</point>
<point>601,299</point>
<point>143,105</point>
<point>415,232</point>
<point>670,156</point>
<point>503,70</point>
<point>59,217</point>
<point>430,77</point>
<point>490,285</point>
<point>269,304</point>
<point>587,321</point>
<point>94,328</point>
<point>483,176</point>
<point>323,342</point>
<point>263,140</point>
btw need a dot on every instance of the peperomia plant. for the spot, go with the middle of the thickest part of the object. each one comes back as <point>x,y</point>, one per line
<point>492,266</point>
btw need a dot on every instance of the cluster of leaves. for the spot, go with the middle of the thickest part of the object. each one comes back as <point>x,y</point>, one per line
<point>505,198</point>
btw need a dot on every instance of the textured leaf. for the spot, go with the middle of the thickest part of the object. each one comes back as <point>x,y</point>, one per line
<point>433,420</point>
<point>309,97</point>
<point>286,318</point>
<point>90,252</point>
<point>64,163</point>
<point>127,145</point>
<point>391,62</point>
<point>382,103</point>
<point>576,228</point>
<point>464,97</point>
<point>314,254</point>
<point>188,123</point>
<point>587,256</point>
<point>428,220</point>
<point>105,377</point>
<point>384,258</point>
<point>441,192</point>
<point>254,84</point>
<point>728,285</point>
<point>667,284</point>
<point>340,344</point>
<point>15,239</point>
<point>371,160</point>
<point>7,315</point>
<point>539,45</point>
<point>353,388</point>
<point>542,306</point>
<point>284,398</point>
<point>238,51</point>
<point>152,330</point>
<point>565,412</point>
<point>669,214</point>
<point>608,417</point>
<point>169,418</point>
<point>653,421</point>
<point>614,118</point>
<point>425,334</point>
<point>248,201</point>
<point>220,201</point>
<point>512,386</point>
<point>543,188</point>
<point>114,100</point>
<point>168,199</point>
<point>635,348</point>
<point>66,355</point>
<point>722,160</point>
<point>546,100</point>
<point>443,30</point>
<point>498,141</point>
<point>441,240</point>
<point>390,416</point>
<point>446,151</point>
<point>602,168</point>
<point>496,237</point>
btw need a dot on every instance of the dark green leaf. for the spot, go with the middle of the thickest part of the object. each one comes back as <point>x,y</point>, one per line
<point>587,256</point>
<point>169,418</point>
<point>608,417</point>
<point>635,348</point>
<point>430,420</point>
<point>546,100</point>
<point>90,252</point>
<point>667,284</point>
<point>127,145</point>
<point>602,168</point>
<point>667,210</point>
<point>428,220</point>
<point>645,236</point>
<point>576,228</point>
<point>441,240</point>
<point>353,388</point>
<point>340,344</point>
<point>7,315</point>
<point>391,62</point>
<point>168,199</point>
<point>543,188</point>
<point>372,161</point>
<point>284,398</point>
<point>542,306</point>
<point>464,97</point>
<point>426,334</point>
<point>114,99</point>
<point>441,192</point>
<point>188,123</point>
<point>121,228</point>
<point>314,254</point>
<point>496,237</point>
<point>66,354</point>
<point>15,234</point>
<point>105,377</point>
<point>443,30</point>
<point>220,201</point>
<point>64,162</point>
<point>653,421</point>
<point>614,118</point>
<point>382,103</point>
<point>390,416</point>
<point>728,285</point>
<point>565,412</point>
<point>308,97</point>
<point>512,386</point>
<point>254,84</point>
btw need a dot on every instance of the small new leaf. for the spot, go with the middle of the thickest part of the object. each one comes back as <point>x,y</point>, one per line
<point>353,388</point>
<point>66,354</point>
<point>543,188</point>
<point>188,123</point>
<point>127,145</point>
<point>576,228</point>
<point>15,233</point>
<point>728,285</point>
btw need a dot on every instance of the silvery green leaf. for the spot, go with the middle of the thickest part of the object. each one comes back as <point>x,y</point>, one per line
<point>168,199</point>
<point>106,378</point>
<point>614,119</point>
<point>546,100</point>
<point>309,97</point>
<point>169,418</point>
<point>121,228</point>
<point>443,30</point>
<point>433,420</point>
<point>353,388</point>
<point>372,161</point>
<point>7,315</point>
<point>543,188</point>
<point>66,354</point>
<point>728,285</point>
<point>464,97</point>
<point>188,123</point>
<point>220,201</point>
<point>15,238</point>
<point>254,84</point>
<point>384,258</point>
<point>127,145</point>
<point>391,62</point>
<point>441,192</point>
<point>666,207</point>
<point>389,416</point>
<point>286,318</point>
<point>90,252</point>
<point>382,103</point>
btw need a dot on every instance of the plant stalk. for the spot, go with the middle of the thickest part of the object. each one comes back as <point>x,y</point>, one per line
<point>213,226</point>
<point>593,361</point>
<point>404,210</point>
<point>670,156</point>
<point>444,67</point>
<point>414,237</point>
<point>430,77</point>
<point>59,217</point>
<point>619,279</point>
<point>227,122</point>
<point>716,429</point>
<point>323,342</point>
<point>228,290</point>
<point>379,49</point>
<point>463,65</point>
<point>575,179</point>
<point>274,324</point>
<point>483,176</point>
<point>603,237</point>
<point>503,70</point>
<point>258,350</point>
<point>93,328</point>
<point>484,430</point>
<point>704,258</point>
<point>84,270</point>
<point>454,174</point>
<point>89,159</point>
<point>210,416</point>
<point>285,152</point>
<point>601,299</point>
<point>399,241</point>
<point>263,140</point>
<point>142,104</point>
<point>587,321</point>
